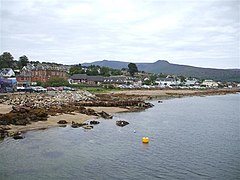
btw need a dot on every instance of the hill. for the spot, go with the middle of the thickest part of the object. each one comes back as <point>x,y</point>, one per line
<point>163,66</point>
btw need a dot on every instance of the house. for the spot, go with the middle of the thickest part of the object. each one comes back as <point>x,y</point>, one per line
<point>95,79</point>
<point>166,82</point>
<point>24,78</point>
<point>78,79</point>
<point>115,80</point>
<point>209,83</point>
<point>7,72</point>
<point>7,85</point>
<point>44,72</point>
<point>85,79</point>
<point>191,82</point>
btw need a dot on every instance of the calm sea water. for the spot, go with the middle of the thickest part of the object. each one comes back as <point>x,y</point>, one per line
<point>190,138</point>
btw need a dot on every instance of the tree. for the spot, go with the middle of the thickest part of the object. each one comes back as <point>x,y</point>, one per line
<point>23,60</point>
<point>6,60</point>
<point>132,68</point>
<point>77,69</point>
<point>56,81</point>
<point>105,71</point>
<point>182,79</point>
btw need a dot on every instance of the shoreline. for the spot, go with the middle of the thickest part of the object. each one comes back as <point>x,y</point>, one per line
<point>145,95</point>
<point>162,94</point>
<point>52,121</point>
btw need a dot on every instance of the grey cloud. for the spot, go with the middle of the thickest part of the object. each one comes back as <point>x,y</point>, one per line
<point>205,31</point>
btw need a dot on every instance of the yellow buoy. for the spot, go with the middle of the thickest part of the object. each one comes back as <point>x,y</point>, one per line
<point>145,140</point>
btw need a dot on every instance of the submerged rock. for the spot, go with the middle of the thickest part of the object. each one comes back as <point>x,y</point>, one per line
<point>94,122</point>
<point>77,125</point>
<point>62,125</point>
<point>122,123</point>
<point>87,127</point>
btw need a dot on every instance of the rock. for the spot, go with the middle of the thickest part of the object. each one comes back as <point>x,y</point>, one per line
<point>82,124</point>
<point>62,125</point>
<point>90,111</point>
<point>122,123</point>
<point>87,127</point>
<point>94,122</point>
<point>105,115</point>
<point>75,125</point>
<point>18,135</point>
<point>62,122</point>
<point>3,132</point>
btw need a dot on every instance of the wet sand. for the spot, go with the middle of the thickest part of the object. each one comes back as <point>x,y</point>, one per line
<point>52,120</point>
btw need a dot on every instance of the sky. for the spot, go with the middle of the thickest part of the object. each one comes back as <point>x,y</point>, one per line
<point>203,33</point>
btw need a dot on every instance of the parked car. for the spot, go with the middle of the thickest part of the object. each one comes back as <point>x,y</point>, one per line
<point>51,89</point>
<point>38,89</point>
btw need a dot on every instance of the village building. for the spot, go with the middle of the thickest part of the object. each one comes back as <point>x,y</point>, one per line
<point>7,84</point>
<point>95,80</point>
<point>43,72</point>
<point>115,80</point>
<point>209,83</point>
<point>191,82</point>
<point>166,82</point>
<point>24,78</point>
<point>7,72</point>
<point>85,79</point>
<point>31,74</point>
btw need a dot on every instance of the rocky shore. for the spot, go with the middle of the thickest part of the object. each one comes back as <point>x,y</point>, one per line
<point>23,112</point>
<point>172,93</point>
<point>28,109</point>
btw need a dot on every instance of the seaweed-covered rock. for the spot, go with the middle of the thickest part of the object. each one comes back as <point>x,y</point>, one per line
<point>94,122</point>
<point>3,131</point>
<point>122,123</point>
<point>76,125</point>
<point>62,122</point>
<point>18,135</point>
<point>105,115</point>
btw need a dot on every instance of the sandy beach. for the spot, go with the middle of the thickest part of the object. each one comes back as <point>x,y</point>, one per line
<point>52,120</point>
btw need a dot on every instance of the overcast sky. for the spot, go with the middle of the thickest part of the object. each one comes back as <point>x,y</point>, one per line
<point>203,33</point>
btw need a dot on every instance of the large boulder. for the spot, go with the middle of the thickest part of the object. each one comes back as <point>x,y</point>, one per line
<point>105,115</point>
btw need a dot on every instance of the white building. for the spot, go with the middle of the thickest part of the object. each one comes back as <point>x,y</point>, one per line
<point>167,82</point>
<point>7,72</point>
<point>210,83</point>
<point>191,82</point>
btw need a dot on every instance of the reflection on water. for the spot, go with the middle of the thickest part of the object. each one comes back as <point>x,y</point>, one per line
<point>190,138</point>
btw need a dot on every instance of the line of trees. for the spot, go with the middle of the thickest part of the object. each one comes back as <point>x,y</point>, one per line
<point>94,70</point>
<point>7,61</point>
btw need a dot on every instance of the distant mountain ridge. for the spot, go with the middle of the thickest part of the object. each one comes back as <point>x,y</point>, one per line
<point>163,66</point>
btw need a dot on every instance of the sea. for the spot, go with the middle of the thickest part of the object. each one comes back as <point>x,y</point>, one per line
<point>189,138</point>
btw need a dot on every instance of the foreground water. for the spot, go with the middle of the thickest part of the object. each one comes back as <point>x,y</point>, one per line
<point>190,138</point>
